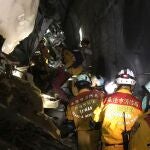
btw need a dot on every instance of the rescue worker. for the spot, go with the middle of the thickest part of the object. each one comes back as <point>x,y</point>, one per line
<point>87,54</point>
<point>140,133</point>
<point>45,53</point>
<point>62,73</point>
<point>118,112</point>
<point>146,99</point>
<point>97,82</point>
<point>80,110</point>
<point>77,67</point>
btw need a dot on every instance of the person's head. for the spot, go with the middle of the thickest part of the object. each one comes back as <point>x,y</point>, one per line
<point>126,79</point>
<point>85,42</point>
<point>147,87</point>
<point>83,82</point>
<point>146,97</point>
<point>97,81</point>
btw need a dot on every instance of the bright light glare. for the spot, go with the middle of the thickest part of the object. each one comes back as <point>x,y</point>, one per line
<point>74,76</point>
<point>17,73</point>
<point>47,96</point>
<point>70,79</point>
<point>81,34</point>
<point>48,31</point>
<point>16,26</point>
<point>110,87</point>
<point>49,101</point>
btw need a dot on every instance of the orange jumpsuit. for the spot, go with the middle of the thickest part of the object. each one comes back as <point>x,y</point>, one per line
<point>140,133</point>
<point>80,111</point>
<point>110,113</point>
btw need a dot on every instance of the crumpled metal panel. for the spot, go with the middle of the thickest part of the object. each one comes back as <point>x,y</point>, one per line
<point>17,21</point>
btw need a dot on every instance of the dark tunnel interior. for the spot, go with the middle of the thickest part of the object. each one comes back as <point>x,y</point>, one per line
<point>45,104</point>
<point>118,31</point>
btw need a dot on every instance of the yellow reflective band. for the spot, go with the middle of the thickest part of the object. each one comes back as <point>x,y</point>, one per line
<point>96,114</point>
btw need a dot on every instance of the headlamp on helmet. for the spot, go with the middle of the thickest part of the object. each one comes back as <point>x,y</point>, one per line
<point>83,77</point>
<point>97,81</point>
<point>126,77</point>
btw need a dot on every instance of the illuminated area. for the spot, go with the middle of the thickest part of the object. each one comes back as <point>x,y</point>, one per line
<point>49,101</point>
<point>17,74</point>
<point>81,34</point>
<point>44,37</point>
<point>17,21</point>
<point>110,87</point>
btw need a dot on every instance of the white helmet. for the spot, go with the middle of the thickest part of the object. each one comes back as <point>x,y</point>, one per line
<point>147,86</point>
<point>126,76</point>
<point>83,78</point>
<point>97,81</point>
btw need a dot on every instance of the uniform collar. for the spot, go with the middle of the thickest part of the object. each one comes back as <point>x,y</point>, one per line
<point>124,91</point>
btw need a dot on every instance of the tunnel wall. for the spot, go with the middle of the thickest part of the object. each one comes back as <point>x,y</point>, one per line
<point>119,34</point>
<point>117,29</point>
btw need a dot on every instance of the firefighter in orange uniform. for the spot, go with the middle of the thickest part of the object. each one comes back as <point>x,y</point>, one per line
<point>140,133</point>
<point>118,112</point>
<point>80,110</point>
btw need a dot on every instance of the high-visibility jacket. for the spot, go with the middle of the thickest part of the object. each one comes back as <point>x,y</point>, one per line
<point>68,58</point>
<point>82,106</point>
<point>80,111</point>
<point>111,114</point>
<point>140,133</point>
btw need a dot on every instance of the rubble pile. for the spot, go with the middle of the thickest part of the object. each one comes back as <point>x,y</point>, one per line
<point>23,123</point>
<point>21,133</point>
